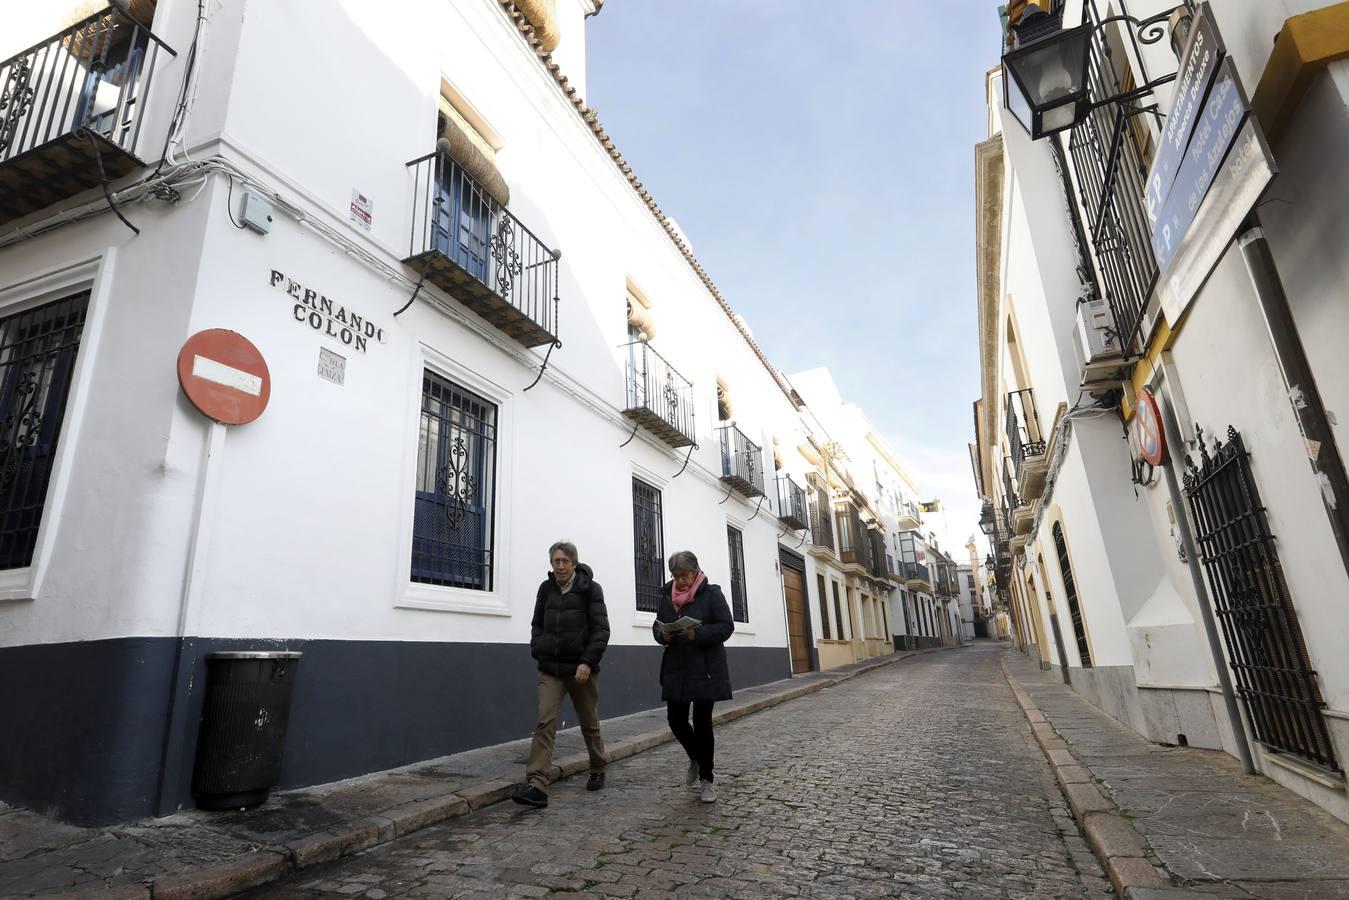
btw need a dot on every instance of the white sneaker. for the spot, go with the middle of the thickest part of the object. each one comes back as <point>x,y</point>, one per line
<point>691,776</point>
<point>707,792</point>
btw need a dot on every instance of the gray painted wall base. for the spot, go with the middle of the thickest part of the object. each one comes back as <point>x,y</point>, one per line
<point>88,721</point>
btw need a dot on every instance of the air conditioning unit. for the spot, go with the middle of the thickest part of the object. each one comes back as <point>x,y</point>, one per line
<point>1099,356</point>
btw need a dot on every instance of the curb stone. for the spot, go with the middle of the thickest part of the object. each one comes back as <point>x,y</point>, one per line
<point>272,863</point>
<point>1116,843</point>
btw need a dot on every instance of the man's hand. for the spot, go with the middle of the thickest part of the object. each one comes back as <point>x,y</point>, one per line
<point>688,633</point>
<point>582,673</point>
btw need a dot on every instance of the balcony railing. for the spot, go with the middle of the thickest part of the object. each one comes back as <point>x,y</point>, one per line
<point>1111,158</point>
<point>741,462</point>
<point>658,397</point>
<point>1024,436</point>
<point>877,539</point>
<point>71,110</point>
<point>853,544</point>
<point>821,529</point>
<point>792,509</point>
<point>469,245</point>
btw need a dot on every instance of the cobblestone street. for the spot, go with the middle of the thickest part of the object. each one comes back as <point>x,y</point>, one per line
<point>918,780</point>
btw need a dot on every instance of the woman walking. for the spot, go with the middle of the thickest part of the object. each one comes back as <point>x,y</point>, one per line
<point>693,670</point>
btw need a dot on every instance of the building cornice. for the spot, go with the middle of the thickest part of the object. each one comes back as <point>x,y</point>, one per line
<point>988,191</point>
<point>591,119</point>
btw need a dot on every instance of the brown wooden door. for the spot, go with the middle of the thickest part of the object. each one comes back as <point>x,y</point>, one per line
<point>798,621</point>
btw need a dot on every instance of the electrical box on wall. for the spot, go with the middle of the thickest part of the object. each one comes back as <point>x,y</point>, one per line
<point>256,213</point>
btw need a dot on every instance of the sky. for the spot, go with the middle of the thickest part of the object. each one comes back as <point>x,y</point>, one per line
<point>820,159</point>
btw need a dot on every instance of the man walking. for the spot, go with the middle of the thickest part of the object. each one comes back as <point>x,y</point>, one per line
<point>570,631</point>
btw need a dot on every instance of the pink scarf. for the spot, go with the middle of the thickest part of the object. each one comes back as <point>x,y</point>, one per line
<point>684,598</point>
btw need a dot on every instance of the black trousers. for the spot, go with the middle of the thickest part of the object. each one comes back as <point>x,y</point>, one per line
<point>697,738</point>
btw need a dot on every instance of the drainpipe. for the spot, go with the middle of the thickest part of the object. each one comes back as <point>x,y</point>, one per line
<point>1309,410</point>
<point>1173,440</point>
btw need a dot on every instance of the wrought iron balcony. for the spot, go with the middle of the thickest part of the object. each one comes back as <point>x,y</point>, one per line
<point>1111,152</point>
<point>1025,437</point>
<point>792,509</point>
<point>658,398</point>
<point>71,110</point>
<point>469,245</point>
<point>741,462</point>
<point>821,529</point>
<point>919,575</point>
<point>877,538</point>
<point>854,546</point>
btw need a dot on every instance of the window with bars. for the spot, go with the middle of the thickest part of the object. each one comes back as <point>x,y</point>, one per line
<point>838,614</point>
<point>37,361</point>
<point>648,540</point>
<point>1070,594</point>
<point>739,602</point>
<point>452,530</point>
<point>824,608</point>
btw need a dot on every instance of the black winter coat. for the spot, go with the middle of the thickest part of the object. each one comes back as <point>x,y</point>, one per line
<point>572,628</point>
<point>696,669</point>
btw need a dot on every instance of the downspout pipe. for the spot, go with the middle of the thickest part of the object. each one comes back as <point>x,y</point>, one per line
<point>1313,422</point>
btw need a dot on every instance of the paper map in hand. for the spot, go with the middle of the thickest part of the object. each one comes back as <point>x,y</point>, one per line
<point>679,625</point>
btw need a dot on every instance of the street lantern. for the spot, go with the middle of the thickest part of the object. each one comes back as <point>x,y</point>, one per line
<point>1044,81</point>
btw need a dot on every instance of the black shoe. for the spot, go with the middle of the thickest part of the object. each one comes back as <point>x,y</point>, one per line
<point>596,781</point>
<point>529,795</point>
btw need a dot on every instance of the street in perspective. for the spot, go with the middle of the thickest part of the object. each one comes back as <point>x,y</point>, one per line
<point>592,448</point>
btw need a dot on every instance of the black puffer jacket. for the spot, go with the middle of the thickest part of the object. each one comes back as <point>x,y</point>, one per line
<point>571,628</point>
<point>696,669</point>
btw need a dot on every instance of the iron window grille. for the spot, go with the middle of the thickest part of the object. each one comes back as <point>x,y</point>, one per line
<point>741,462</point>
<point>466,242</point>
<point>838,614</point>
<point>38,348</point>
<point>878,566</point>
<point>1070,595</point>
<point>1110,169</point>
<point>739,600</point>
<point>853,544</point>
<point>1251,598</point>
<point>648,537</point>
<point>824,608</point>
<point>658,396</point>
<point>452,532</point>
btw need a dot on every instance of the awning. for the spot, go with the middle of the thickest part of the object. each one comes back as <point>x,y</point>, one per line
<point>472,152</point>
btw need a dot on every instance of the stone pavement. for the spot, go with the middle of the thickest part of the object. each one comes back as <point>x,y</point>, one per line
<point>919,780</point>
<point>198,855</point>
<point>1208,828</point>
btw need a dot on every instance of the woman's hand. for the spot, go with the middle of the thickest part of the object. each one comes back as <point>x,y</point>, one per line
<point>688,633</point>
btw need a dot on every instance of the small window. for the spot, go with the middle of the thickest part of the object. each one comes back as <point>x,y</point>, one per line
<point>452,526</point>
<point>37,361</point>
<point>824,607</point>
<point>648,535</point>
<point>739,602</point>
<point>838,614</point>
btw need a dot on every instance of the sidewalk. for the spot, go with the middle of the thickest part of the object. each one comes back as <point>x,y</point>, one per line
<point>1173,822</point>
<point>203,855</point>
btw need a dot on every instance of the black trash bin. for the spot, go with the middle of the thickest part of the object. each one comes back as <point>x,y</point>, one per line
<point>243,727</point>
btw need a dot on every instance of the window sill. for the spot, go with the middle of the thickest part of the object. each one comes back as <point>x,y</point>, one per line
<point>16,585</point>
<point>455,600</point>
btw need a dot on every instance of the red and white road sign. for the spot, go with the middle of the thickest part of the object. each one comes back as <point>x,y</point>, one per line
<point>1148,421</point>
<point>224,376</point>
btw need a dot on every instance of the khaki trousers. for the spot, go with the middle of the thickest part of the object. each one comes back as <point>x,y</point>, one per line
<point>586,699</point>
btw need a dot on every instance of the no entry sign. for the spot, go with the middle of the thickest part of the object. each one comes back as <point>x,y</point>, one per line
<point>1148,421</point>
<point>224,376</point>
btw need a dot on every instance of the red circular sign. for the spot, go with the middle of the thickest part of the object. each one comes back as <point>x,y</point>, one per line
<point>1151,436</point>
<point>224,376</point>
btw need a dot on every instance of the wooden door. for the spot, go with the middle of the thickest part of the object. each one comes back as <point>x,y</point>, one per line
<point>798,620</point>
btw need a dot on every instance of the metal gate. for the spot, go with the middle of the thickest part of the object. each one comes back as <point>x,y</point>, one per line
<point>1251,599</point>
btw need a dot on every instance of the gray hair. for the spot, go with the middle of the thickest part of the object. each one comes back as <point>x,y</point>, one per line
<point>684,561</point>
<point>566,547</point>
